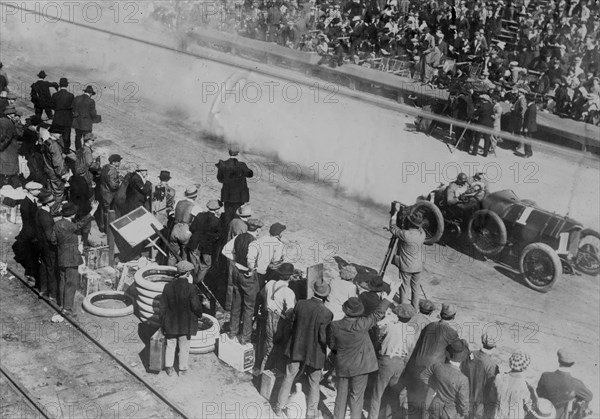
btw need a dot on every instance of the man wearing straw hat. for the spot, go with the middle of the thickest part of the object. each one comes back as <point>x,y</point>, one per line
<point>185,211</point>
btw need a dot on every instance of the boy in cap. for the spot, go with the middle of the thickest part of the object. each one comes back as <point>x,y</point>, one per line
<point>62,103</point>
<point>180,309</point>
<point>109,185</point>
<point>40,95</point>
<point>163,198</point>
<point>560,387</point>
<point>84,114</point>
<point>232,173</point>
<point>68,255</point>
<point>203,244</point>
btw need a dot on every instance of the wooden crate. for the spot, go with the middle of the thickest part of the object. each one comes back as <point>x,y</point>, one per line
<point>96,257</point>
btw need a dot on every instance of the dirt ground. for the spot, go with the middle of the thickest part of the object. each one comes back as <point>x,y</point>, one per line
<point>326,220</point>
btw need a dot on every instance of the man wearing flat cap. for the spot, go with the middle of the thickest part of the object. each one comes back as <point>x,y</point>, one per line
<point>560,387</point>
<point>265,252</point>
<point>423,317</point>
<point>40,95</point>
<point>232,173</point>
<point>180,309</point>
<point>109,185</point>
<point>203,244</point>
<point>84,114</point>
<point>62,103</point>
<point>163,198</point>
<point>68,255</point>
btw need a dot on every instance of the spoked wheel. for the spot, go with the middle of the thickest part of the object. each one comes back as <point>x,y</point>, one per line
<point>588,255</point>
<point>487,232</point>
<point>433,221</point>
<point>540,266</point>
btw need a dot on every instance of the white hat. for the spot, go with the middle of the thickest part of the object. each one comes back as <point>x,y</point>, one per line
<point>32,186</point>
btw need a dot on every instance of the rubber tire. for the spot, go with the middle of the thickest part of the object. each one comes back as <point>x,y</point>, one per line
<point>147,293</point>
<point>204,350</point>
<point>141,281</point>
<point>556,265</point>
<point>206,338</point>
<point>88,304</point>
<point>148,317</point>
<point>146,307</point>
<point>494,218</point>
<point>146,314</point>
<point>149,301</point>
<point>427,206</point>
<point>588,232</point>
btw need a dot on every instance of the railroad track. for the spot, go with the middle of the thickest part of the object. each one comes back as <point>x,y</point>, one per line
<point>59,370</point>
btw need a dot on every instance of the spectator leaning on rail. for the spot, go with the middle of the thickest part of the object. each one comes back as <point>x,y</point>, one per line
<point>180,309</point>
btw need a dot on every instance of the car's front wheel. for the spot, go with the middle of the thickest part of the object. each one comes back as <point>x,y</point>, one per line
<point>588,255</point>
<point>540,266</point>
<point>487,232</point>
<point>433,221</point>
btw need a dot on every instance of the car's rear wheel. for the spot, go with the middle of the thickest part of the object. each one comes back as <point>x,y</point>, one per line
<point>433,221</point>
<point>487,232</point>
<point>540,266</point>
<point>588,254</point>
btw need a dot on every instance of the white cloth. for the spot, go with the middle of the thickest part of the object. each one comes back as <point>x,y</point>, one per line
<point>263,251</point>
<point>230,254</point>
<point>284,298</point>
<point>341,290</point>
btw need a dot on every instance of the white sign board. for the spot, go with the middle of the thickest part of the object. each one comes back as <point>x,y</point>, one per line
<point>136,226</point>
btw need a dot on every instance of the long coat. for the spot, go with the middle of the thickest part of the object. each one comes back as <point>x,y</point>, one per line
<point>9,148</point>
<point>62,103</point>
<point>485,114</point>
<point>29,211</point>
<point>349,339</point>
<point>44,228</point>
<point>308,342</point>
<point>67,242</point>
<point>180,308</point>
<point>109,182</point>
<point>232,174</point>
<point>84,113</point>
<point>40,93</point>
<point>206,230</point>
<point>138,192</point>
<point>431,347</point>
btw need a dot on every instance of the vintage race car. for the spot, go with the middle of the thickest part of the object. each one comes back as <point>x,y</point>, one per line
<point>500,224</point>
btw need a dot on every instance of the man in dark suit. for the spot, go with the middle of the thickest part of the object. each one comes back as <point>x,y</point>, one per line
<point>84,114</point>
<point>484,115</point>
<point>448,392</point>
<point>430,349</point>
<point>138,190</point>
<point>560,387</point>
<point>307,345</point>
<point>68,255</point>
<point>481,369</point>
<point>55,167</point>
<point>28,253</point>
<point>203,245</point>
<point>232,174</point>
<point>180,309</point>
<point>109,185</point>
<point>47,283</point>
<point>62,103</point>
<point>355,357</point>
<point>40,95</point>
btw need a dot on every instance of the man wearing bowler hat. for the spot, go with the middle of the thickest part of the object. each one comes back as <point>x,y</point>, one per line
<point>62,103</point>
<point>409,257</point>
<point>307,345</point>
<point>84,114</point>
<point>560,387</point>
<point>232,174</point>
<point>40,95</point>
<point>69,257</point>
<point>163,198</point>
<point>448,388</point>
<point>203,244</point>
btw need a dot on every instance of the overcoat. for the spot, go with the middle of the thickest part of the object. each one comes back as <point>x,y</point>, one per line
<point>232,174</point>
<point>180,308</point>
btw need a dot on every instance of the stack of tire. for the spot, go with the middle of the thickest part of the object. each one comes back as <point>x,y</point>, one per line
<point>148,304</point>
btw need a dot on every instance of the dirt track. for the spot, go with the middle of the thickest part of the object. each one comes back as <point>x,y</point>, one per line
<point>323,221</point>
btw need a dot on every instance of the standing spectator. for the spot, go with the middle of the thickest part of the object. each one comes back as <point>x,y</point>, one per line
<point>138,190</point>
<point>232,174</point>
<point>307,346</point>
<point>163,198</point>
<point>236,226</point>
<point>62,103</point>
<point>264,252</point>
<point>422,318</point>
<point>429,350</point>
<point>27,238</point>
<point>355,358</point>
<point>511,393</point>
<point>84,114</point>
<point>529,122</point>
<point>399,339</point>
<point>3,79</point>
<point>185,211</point>
<point>448,386</point>
<point>484,115</point>
<point>68,255</point>
<point>517,112</point>
<point>86,165</point>
<point>409,258</point>
<point>481,370</point>
<point>203,244</point>
<point>109,185</point>
<point>40,95</point>
<point>180,309</point>
<point>245,284</point>
<point>342,289</point>
<point>9,148</point>
<point>55,167</point>
<point>46,238</point>
<point>560,387</point>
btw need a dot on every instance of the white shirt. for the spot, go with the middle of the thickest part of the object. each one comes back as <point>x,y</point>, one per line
<point>283,299</point>
<point>229,253</point>
<point>341,290</point>
<point>263,251</point>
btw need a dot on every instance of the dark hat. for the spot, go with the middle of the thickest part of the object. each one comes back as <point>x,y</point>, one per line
<point>426,306</point>
<point>448,310</point>
<point>321,289</point>
<point>114,157</point>
<point>42,74</point>
<point>68,210</point>
<point>214,204</point>
<point>370,301</point>
<point>375,284</point>
<point>353,307</point>
<point>45,197</point>
<point>565,356</point>
<point>35,120</point>
<point>184,267</point>
<point>254,224</point>
<point>457,351</point>
<point>63,82</point>
<point>276,229</point>
<point>165,175</point>
<point>285,270</point>
<point>89,136</point>
<point>90,90</point>
<point>416,219</point>
<point>404,311</point>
